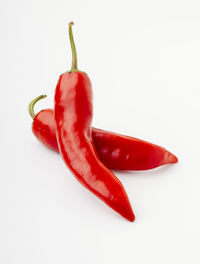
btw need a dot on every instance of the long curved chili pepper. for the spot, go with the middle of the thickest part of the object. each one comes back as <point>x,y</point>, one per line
<point>73,112</point>
<point>116,151</point>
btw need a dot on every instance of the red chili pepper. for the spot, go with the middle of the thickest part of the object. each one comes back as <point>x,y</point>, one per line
<point>73,112</point>
<point>114,150</point>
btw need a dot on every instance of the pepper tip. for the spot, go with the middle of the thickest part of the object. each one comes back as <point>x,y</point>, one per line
<point>132,218</point>
<point>172,158</point>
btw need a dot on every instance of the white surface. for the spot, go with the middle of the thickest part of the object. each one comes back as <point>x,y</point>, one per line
<point>143,58</point>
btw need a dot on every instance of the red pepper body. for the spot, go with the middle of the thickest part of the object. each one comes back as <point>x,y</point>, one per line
<point>44,129</point>
<point>73,112</point>
<point>115,151</point>
<point>121,152</point>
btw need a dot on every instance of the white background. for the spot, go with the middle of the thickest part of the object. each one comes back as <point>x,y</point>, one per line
<point>143,58</point>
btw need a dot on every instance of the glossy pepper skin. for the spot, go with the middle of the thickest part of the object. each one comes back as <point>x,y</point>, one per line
<point>73,116</point>
<point>73,111</point>
<point>116,151</point>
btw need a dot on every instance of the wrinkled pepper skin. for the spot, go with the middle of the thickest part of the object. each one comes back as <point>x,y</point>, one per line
<point>73,112</point>
<point>116,151</point>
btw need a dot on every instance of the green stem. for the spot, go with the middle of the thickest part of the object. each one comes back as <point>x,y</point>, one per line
<point>73,47</point>
<point>32,104</point>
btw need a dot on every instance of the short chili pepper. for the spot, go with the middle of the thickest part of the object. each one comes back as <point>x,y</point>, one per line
<point>116,151</point>
<point>73,111</point>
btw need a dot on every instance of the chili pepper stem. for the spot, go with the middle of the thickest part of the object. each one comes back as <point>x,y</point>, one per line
<point>32,104</point>
<point>73,48</point>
